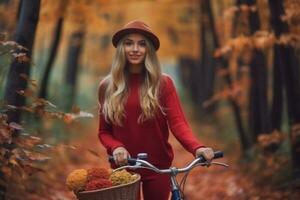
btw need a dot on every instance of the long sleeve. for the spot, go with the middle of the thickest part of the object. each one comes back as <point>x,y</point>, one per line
<point>105,128</point>
<point>176,119</point>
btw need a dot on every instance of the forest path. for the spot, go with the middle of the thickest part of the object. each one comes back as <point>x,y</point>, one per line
<point>212,183</point>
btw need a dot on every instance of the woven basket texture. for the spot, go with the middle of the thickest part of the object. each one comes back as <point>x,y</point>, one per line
<point>121,192</point>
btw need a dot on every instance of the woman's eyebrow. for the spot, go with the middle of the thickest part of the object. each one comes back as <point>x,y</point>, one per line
<point>142,40</point>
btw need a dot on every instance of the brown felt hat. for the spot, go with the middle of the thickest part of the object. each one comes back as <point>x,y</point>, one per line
<point>136,26</point>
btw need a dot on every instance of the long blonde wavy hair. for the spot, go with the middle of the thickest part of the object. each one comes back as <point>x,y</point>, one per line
<point>117,86</point>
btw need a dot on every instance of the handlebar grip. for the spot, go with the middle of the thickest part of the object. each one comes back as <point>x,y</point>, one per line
<point>111,159</point>
<point>218,154</point>
<point>131,161</point>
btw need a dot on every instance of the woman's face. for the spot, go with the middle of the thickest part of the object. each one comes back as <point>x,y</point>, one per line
<point>135,48</point>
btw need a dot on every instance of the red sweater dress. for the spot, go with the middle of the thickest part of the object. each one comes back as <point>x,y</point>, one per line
<point>152,135</point>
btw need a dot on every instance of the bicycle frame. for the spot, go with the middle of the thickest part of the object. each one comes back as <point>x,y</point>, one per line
<point>176,194</point>
<point>141,163</point>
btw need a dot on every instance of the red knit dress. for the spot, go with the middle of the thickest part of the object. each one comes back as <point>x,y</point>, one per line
<point>151,136</point>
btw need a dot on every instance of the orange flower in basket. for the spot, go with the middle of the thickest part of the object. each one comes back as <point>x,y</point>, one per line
<point>97,173</point>
<point>98,184</point>
<point>76,180</point>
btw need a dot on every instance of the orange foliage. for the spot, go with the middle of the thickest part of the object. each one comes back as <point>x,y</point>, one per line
<point>19,162</point>
<point>22,156</point>
<point>97,173</point>
<point>98,184</point>
<point>234,93</point>
<point>266,140</point>
<point>292,13</point>
<point>260,40</point>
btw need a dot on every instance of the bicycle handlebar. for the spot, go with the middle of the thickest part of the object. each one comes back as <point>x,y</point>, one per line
<point>135,163</point>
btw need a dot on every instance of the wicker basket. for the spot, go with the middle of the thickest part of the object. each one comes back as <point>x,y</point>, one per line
<point>121,192</point>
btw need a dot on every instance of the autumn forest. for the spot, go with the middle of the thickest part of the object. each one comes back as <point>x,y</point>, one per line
<point>235,65</point>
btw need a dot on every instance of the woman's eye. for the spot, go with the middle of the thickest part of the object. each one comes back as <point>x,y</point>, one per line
<point>128,43</point>
<point>143,44</point>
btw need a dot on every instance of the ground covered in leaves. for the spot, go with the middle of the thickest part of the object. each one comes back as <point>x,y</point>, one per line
<point>239,181</point>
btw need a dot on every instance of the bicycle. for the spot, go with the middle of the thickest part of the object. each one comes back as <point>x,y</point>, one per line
<point>177,194</point>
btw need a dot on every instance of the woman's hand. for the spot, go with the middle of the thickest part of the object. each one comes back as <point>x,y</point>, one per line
<point>120,155</point>
<point>206,152</point>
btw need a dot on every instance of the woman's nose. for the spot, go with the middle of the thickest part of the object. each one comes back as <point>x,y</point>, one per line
<point>135,47</point>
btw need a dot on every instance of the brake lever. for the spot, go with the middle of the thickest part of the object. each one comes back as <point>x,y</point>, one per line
<point>219,163</point>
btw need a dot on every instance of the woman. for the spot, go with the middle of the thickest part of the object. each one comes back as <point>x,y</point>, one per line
<point>138,106</point>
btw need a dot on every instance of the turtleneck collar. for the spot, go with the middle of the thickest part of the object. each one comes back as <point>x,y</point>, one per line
<point>135,77</point>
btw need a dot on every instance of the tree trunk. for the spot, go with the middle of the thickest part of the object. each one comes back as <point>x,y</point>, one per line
<point>277,102</point>
<point>289,68</point>
<point>189,76</point>
<point>19,10</point>
<point>258,105</point>
<point>74,51</point>
<point>49,65</point>
<point>223,63</point>
<point>207,63</point>
<point>25,35</point>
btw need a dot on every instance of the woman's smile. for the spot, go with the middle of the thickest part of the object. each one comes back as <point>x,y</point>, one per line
<point>134,57</point>
<point>135,49</point>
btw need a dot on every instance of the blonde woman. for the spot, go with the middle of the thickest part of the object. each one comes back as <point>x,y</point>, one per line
<point>138,106</point>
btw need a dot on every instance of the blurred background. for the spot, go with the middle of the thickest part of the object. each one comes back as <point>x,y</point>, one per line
<point>236,68</point>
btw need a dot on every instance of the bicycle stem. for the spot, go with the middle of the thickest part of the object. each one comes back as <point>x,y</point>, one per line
<point>174,184</point>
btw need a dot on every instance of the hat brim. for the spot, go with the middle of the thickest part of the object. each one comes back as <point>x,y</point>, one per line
<point>121,33</point>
